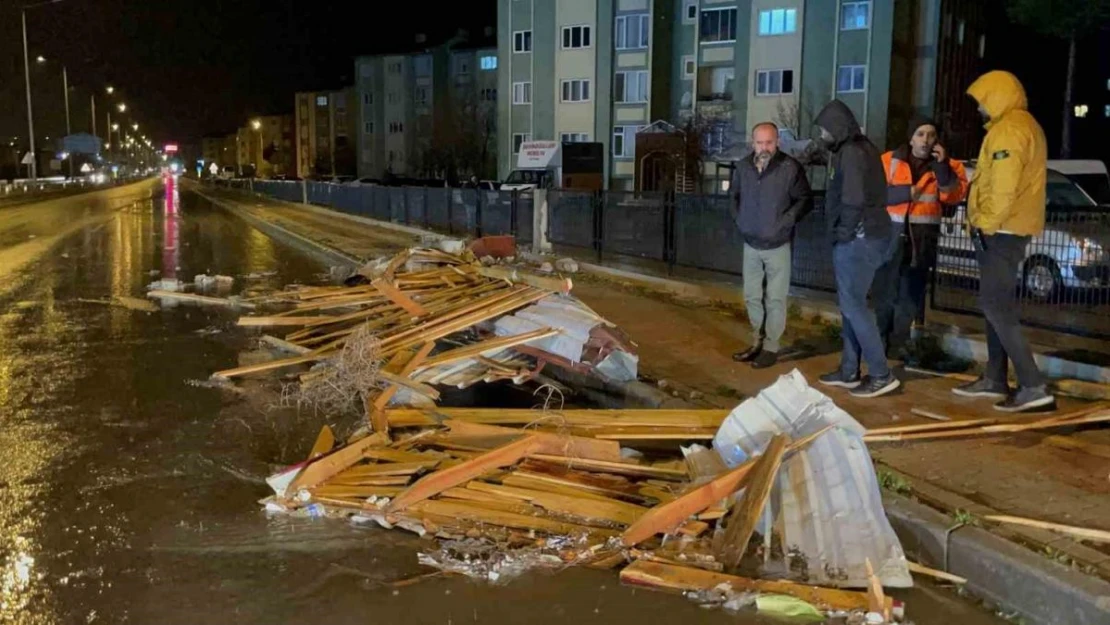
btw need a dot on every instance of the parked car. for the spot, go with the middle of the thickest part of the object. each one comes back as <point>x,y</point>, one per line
<point>1073,251</point>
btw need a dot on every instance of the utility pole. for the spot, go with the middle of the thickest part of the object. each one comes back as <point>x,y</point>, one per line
<point>92,107</point>
<point>65,88</point>
<point>30,115</point>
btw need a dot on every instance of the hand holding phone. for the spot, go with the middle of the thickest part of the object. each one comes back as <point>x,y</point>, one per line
<point>940,153</point>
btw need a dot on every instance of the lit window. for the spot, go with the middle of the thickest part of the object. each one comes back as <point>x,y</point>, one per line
<point>851,78</point>
<point>778,21</point>
<point>718,25</point>
<point>522,93</point>
<point>518,138</point>
<point>1081,110</point>
<point>1106,111</point>
<point>576,37</point>
<point>522,41</point>
<point>774,81</point>
<point>574,137</point>
<point>321,100</point>
<point>488,62</point>
<point>855,15</point>
<point>576,90</point>
<point>631,32</point>
<point>631,86</point>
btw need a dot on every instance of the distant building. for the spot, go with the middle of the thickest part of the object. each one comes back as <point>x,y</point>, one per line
<point>323,138</point>
<point>428,113</point>
<point>602,70</point>
<point>211,149</point>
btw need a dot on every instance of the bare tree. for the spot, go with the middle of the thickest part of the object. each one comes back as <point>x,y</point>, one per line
<point>461,142</point>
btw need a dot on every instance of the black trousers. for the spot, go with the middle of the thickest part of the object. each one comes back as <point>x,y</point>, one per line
<point>1000,259</point>
<point>899,290</point>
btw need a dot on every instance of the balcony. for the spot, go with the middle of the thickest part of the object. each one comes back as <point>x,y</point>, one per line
<point>715,84</point>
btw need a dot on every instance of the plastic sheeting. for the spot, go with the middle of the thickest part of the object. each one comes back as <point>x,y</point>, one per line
<point>573,321</point>
<point>825,504</point>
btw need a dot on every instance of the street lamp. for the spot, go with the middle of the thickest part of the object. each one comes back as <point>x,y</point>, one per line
<point>110,89</point>
<point>40,59</point>
<point>122,107</point>
<point>256,124</point>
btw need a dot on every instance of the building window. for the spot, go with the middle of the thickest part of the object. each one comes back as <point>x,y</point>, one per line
<point>522,41</point>
<point>574,137</point>
<point>396,127</point>
<point>778,22</point>
<point>632,31</point>
<point>624,141</point>
<point>420,96</point>
<point>855,15</point>
<point>717,137</point>
<point>715,83</point>
<point>576,37</point>
<point>688,67</point>
<point>487,62</point>
<point>518,138</point>
<point>321,100</point>
<point>522,93</point>
<point>960,32</point>
<point>1106,111</point>
<point>367,99</point>
<point>631,86</point>
<point>395,68</point>
<point>368,128</point>
<point>851,78</point>
<point>576,90</point>
<point>462,65</point>
<point>422,65</point>
<point>718,25</point>
<point>690,12</point>
<point>774,81</point>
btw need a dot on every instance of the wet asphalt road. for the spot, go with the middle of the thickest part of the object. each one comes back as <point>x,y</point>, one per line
<point>128,494</point>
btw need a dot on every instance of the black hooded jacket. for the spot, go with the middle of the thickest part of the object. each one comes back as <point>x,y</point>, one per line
<point>855,196</point>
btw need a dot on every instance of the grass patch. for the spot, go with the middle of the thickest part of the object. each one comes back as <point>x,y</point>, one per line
<point>893,482</point>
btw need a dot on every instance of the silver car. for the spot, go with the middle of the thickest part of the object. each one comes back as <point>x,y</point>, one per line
<point>1073,251</point>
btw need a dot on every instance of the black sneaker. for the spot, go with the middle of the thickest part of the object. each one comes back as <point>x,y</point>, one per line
<point>983,388</point>
<point>1034,399</point>
<point>749,354</point>
<point>875,387</point>
<point>766,358</point>
<point>836,378</point>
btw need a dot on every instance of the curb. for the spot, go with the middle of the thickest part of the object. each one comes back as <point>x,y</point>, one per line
<point>1039,590</point>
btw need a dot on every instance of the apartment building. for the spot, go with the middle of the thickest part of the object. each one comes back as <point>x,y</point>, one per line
<point>325,143</point>
<point>263,147</point>
<point>428,112</point>
<point>602,70</point>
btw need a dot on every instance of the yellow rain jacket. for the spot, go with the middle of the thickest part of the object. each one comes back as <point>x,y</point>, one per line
<point>1008,188</point>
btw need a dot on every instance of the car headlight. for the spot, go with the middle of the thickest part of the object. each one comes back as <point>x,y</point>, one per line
<point>1090,252</point>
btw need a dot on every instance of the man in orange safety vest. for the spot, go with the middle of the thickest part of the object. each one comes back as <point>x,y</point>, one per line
<point>921,180</point>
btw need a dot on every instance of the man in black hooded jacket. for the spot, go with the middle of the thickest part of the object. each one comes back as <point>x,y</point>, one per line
<point>860,228</point>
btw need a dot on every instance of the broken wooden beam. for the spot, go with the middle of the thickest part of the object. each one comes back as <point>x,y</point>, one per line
<point>747,510</point>
<point>333,463</point>
<point>681,579</point>
<point>398,297</point>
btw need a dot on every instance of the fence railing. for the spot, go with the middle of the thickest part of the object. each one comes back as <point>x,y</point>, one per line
<point>1064,279</point>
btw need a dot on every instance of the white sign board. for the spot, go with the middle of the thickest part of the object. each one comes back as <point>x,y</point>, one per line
<point>214,168</point>
<point>540,155</point>
<point>27,159</point>
<point>86,168</point>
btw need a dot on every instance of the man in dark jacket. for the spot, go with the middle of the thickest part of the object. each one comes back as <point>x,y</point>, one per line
<point>772,194</point>
<point>855,212</point>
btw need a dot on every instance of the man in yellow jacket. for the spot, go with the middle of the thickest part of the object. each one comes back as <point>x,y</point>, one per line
<point>1006,209</point>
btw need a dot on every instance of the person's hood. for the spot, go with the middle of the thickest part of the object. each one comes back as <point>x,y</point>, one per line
<point>998,92</point>
<point>838,119</point>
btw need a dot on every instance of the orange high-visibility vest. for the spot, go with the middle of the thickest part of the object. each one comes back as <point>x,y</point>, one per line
<point>927,209</point>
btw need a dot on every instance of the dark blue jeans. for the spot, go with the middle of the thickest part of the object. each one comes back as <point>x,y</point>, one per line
<point>855,264</point>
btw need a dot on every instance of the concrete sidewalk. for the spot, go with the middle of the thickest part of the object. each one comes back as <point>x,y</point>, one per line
<point>689,344</point>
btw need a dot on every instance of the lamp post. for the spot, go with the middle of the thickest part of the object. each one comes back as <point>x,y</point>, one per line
<point>256,124</point>
<point>33,169</point>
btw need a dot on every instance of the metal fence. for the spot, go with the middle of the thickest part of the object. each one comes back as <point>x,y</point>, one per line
<point>1063,281</point>
<point>680,230</point>
<point>473,212</point>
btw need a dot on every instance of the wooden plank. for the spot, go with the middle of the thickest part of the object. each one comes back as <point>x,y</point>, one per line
<point>1082,533</point>
<point>929,415</point>
<point>389,468</point>
<point>333,463</point>
<point>283,345</point>
<point>554,444</point>
<point>680,579</point>
<point>461,510</point>
<point>327,490</point>
<point>547,283</point>
<point>325,440</point>
<point>521,480</point>
<point>398,297</point>
<point>270,365</point>
<point>199,299</point>
<point>368,480</point>
<point>374,416</point>
<point>412,385</point>
<point>396,455</point>
<point>699,418</point>
<point>584,507</point>
<point>435,483</point>
<point>378,418</point>
<point>667,516</point>
<point>476,349</point>
<point>255,322</point>
<point>746,512</point>
<point>941,575</point>
<point>619,468</point>
<point>876,599</point>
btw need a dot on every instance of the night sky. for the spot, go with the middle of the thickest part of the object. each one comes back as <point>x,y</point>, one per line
<point>189,68</point>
